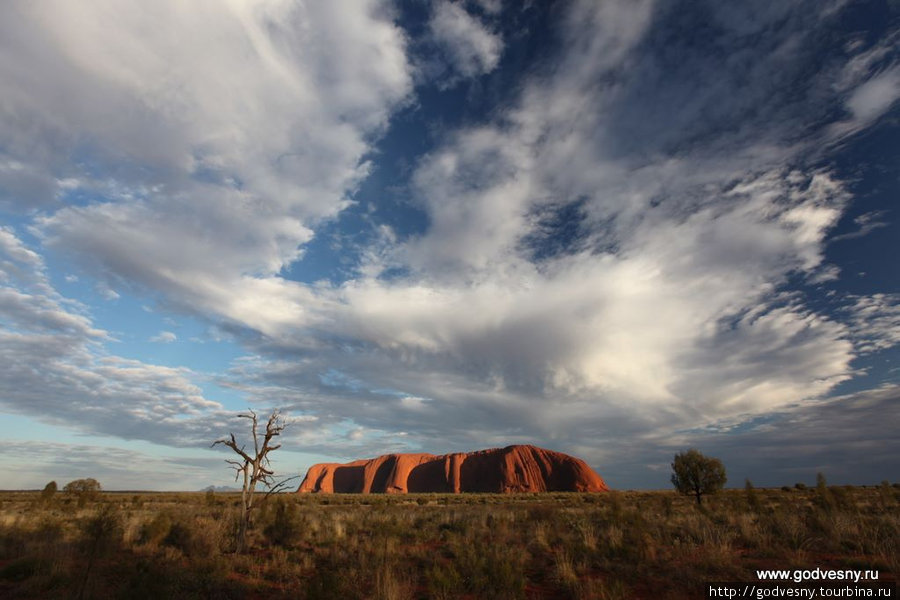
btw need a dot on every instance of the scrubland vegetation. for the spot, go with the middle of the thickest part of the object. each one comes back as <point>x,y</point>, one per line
<point>604,546</point>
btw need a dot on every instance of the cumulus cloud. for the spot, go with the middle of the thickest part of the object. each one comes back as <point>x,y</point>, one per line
<point>470,47</point>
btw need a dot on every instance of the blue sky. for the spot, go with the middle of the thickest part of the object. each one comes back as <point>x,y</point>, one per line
<point>614,229</point>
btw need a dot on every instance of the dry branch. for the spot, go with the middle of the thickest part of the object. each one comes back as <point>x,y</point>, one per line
<point>255,469</point>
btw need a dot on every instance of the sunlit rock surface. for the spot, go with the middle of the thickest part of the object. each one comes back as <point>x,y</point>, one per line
<point>506,470</point>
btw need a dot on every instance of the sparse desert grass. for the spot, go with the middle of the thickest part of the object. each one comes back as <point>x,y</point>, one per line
<point>583,546</point>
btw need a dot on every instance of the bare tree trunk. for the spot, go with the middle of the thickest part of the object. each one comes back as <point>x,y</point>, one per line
<point>245,513</point>
<point>254,468</point>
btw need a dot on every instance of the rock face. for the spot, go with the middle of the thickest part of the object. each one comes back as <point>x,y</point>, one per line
<point>506,470</point>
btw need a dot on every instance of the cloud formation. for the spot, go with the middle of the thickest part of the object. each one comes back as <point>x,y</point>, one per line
<point>191,150</point>
<point>619,257</point>
<point>57,369</point>
<point>873,98</point>
<point>164,337</point>
<point>470,47</point>
<point>579,281</point>
<point>114,468</point>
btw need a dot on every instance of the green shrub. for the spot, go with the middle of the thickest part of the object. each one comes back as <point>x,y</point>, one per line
<point>84,490</point>
<point>824,498</point>
<point>753,502</point>
<point>330,581</point>
<point>156,530</point>
<point>190,538</point>
<point>102,533</point>
<point>48,493</point>
<point>284,528</point>
<point>492,570</point>
<point>696,474</point>
<point>443,581</point>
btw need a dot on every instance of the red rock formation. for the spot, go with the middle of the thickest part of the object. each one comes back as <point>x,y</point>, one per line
<point>507,470</point>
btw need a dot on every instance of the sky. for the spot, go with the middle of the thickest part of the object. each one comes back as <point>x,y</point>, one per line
<point>616,229</point>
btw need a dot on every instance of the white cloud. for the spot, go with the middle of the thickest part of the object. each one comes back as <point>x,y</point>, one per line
<point>875,322</point>
<point>604,262</point>
<point>14,251</point>
<point>471,48</point>
<point>662,308</point>
<point>492,7</point>
<point>33,463</point>
<point>873,98</point>
<point>56,369</point>
<point>828,437</point>
<point>217,136</point>
<point>867,223</point>
<point>164,337</point>
<point>107,292</point>
<point>869,82</point>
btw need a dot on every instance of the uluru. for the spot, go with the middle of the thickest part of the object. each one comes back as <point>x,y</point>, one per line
<point>514,469</point>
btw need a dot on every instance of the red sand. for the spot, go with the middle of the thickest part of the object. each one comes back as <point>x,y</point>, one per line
<point>506,470</point>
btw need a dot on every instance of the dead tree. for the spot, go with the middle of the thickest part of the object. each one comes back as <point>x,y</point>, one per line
<point>254,467</point>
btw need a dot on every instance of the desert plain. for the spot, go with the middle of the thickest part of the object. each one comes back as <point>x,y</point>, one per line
<point>609,545</point>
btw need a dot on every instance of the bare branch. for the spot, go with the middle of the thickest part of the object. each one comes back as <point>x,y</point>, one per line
<point>256,468</point>
<point>280,486</point>
<point>232,443</point>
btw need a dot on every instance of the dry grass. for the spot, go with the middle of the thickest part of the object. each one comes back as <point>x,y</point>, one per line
<point>583,546</point>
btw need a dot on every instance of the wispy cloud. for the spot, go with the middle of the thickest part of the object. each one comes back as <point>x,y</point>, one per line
<point>873,98</point>
<point>875,322</point>
<point>113,467</point>
<point>209,142</point>
<point>78,383</point>
<point>867,223</point>
<point>164,337</point>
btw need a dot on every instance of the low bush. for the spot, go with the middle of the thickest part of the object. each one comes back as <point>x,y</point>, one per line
<point>193,539</point>
<point>284,527</point>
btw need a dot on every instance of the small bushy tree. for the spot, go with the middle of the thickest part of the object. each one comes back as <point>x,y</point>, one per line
<point>284,528</point>
<point>824,497</point>
<point>48,492</point>
<point>753,501</point>
<point>696,474</point>
<point>102,535</point>
<point>83,489</point>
